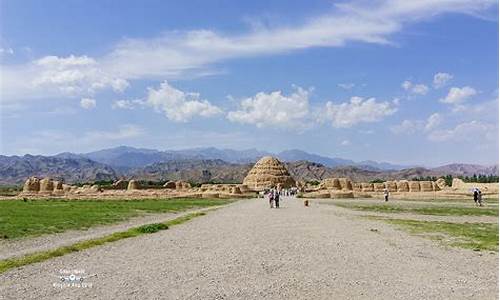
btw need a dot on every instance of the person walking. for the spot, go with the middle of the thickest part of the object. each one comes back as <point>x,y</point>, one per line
<point>277,199</point>
<point>475,195</point>
<point>271,198</point>
<point>386,195</point>
<point>479,197</point>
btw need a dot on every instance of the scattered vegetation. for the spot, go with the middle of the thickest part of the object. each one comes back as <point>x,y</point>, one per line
<point>377,180</point>
<point>20,218</point>
<point>476,236</point>
<point>474,178</point>
<point>10,190</point>
<point>424,178</point>
<point>424,210</point>
<point>480,178</point>
<point>313,182</point>
<point>8,264</point>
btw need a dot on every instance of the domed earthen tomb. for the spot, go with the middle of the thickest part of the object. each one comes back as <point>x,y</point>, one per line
<point>268,172</point>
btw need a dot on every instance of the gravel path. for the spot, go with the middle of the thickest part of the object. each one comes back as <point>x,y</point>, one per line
<point>248,251</point>
<point>19,247</point>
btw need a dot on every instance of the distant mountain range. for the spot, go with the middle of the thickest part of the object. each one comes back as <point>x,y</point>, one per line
<point>128,157</point>
<point>207,165</point>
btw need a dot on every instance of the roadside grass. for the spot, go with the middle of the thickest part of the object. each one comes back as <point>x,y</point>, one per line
<point>36,257</point>
<point>19,219</point>
<point>467,200</point>
<point>422,210</point>
<point>475,236</point>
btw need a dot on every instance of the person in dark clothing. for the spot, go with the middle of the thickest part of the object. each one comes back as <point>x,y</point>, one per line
<point>479,198</point>
<point>476,194</point>
<point>277,199</point>
<point>271,198</point>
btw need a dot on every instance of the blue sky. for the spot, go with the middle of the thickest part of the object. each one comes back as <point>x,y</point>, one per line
<point>412,82</point>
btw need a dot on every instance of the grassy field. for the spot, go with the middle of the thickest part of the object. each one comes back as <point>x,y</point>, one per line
<point>20,219</point>
<point>16,262</point>
<point>476,236</point>
<point>447,210</point>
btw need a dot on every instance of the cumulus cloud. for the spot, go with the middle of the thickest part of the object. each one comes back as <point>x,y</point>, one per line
<point>87,103</point>
<point>415,126</point>
<point>345,143</point>
<point>179,106</point>
<point>441,79</point>
<point>473,132</point>
<point>357,110</point>
<point>274,109</point>
<point>180,53</point>
<point>74,75</point>
<point>420,89</point>
<point>458,95</point>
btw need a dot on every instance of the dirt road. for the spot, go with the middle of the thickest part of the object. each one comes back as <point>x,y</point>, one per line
<point>249,251</point>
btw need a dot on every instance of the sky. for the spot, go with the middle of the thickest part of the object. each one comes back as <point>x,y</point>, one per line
<point>409,82</point>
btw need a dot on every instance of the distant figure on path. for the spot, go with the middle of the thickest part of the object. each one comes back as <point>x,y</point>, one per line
<point>271,198</point>
<point>479,198</point>
<point>476,195</point>
<point>386,195</point>
<point>277,199</point>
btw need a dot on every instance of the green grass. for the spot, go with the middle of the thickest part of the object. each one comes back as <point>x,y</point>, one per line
<point>11,263</point>
<point>476,236</point>
<point>424,210</point>
<point>19,219</point>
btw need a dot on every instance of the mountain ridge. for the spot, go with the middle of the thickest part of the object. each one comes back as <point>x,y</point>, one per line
<point>76,168</point>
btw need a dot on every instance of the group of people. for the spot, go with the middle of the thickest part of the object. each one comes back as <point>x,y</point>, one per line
<point>274,197</point>
<point>478,198</point>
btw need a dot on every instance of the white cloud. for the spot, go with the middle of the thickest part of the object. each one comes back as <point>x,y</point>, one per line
<point>441,79</point>
<point>433,121</point>
<point>474,132</point>
<point>127,104</point>
<point>420,89</point>
<point>416,126</point>
<point>177,105</point>
<point>406,85</point>
<point>345,143</point>
<point>458,95</point>
<point>87,103</point>
<point>6,51</point>
<point>357,110</point>
<point>178,54</point>
<point>346,86</point>
<point>274,109</point>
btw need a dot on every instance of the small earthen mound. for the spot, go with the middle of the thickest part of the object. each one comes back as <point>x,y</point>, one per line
<point>32,184</point>
<point>378,187</point>
<point>367,187</point>
<point>46,185</point>
<point>120,184</point>
<point>169,185</point>
<point>391,186</point>
<point>403,186</point>
<point>182,185</point>
<point>133,185</point>
<point>441,183</point>
<point>426,186</point>
<point>414,186</point>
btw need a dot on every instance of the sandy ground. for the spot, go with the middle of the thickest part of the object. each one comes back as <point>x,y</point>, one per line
<point>248,251</point>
